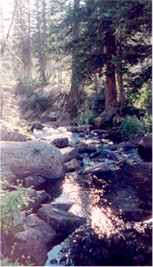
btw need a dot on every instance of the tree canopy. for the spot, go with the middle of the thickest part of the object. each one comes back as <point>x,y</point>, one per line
<point>105,43</point>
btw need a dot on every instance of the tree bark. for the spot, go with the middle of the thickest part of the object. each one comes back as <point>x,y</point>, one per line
<point>119,70</point>
<point>74,91</point>
<point>111,94</point>
<point>12,19</point>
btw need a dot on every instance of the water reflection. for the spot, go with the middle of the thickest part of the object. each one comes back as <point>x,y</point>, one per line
<point>101,221</point>
<point>87,195</point>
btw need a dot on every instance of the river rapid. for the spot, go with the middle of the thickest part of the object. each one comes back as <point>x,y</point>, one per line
<point>116,204</point>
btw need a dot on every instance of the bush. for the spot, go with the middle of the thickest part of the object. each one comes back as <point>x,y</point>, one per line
<point>131,127</point>
<point>91,116</point>
<point>11,203</point>
<point>40,103</point>
<point>13,197</point>
<point>9,262</point>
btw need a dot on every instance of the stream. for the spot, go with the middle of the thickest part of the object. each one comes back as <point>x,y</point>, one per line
<point>116,205</point>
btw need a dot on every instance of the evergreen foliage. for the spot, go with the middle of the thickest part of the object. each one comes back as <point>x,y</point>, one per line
<point>131,127</point>
<point>109,40</point>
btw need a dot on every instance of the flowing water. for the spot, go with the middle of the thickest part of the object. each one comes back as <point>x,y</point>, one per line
<point>110,205</point>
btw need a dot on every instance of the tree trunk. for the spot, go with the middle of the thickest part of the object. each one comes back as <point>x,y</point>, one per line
<point>12,19</point>
<point>74,91</point>
<point>119,70</point>
<point>44,40</point>
<point>29,43</point>
<point>111,94</point>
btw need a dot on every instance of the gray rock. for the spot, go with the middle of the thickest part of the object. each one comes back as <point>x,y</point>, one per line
<point>145,148</point>
<point>7,135</point>
<point>81,147</point>
<point>31,245</point>
<point>22,159</point>
<point>62,206</point>
<point>69,153</point>
<point>37,126</point>
<point>60,220</point>
<point>32,241</point>
<point>48,234</point>
<point>60,142</point>
<point>72,165</point>
<point>34,181</point>
<point>98,168</point>
<point>79,129</point>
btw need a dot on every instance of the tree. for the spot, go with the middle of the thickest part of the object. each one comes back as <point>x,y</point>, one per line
<point>21,39</point>
<point>75,82</point>
<point>111,41</point>
<point>111,95</point>
<point>40,37</point>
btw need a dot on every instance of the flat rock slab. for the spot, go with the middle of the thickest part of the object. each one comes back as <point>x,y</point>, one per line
<point>22,159</point>
<point>98,168</point>
<point>59,219</point>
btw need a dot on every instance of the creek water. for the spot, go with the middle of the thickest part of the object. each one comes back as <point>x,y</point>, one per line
<point>109,206</point>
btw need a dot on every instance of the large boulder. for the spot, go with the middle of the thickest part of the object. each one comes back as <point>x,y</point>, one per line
<point>22,159</point>
<point>60,220</point>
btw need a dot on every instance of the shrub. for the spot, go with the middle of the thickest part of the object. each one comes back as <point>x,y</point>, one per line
<point>91,116</point>
<point>131,127</point>
<point>9,262</point>
<point>11,203</point>
<point>13,197</point>
<point>40,103</point>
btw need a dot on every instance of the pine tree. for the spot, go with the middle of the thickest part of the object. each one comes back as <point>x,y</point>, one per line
<point>21,40</point>
<point>39,38</point>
